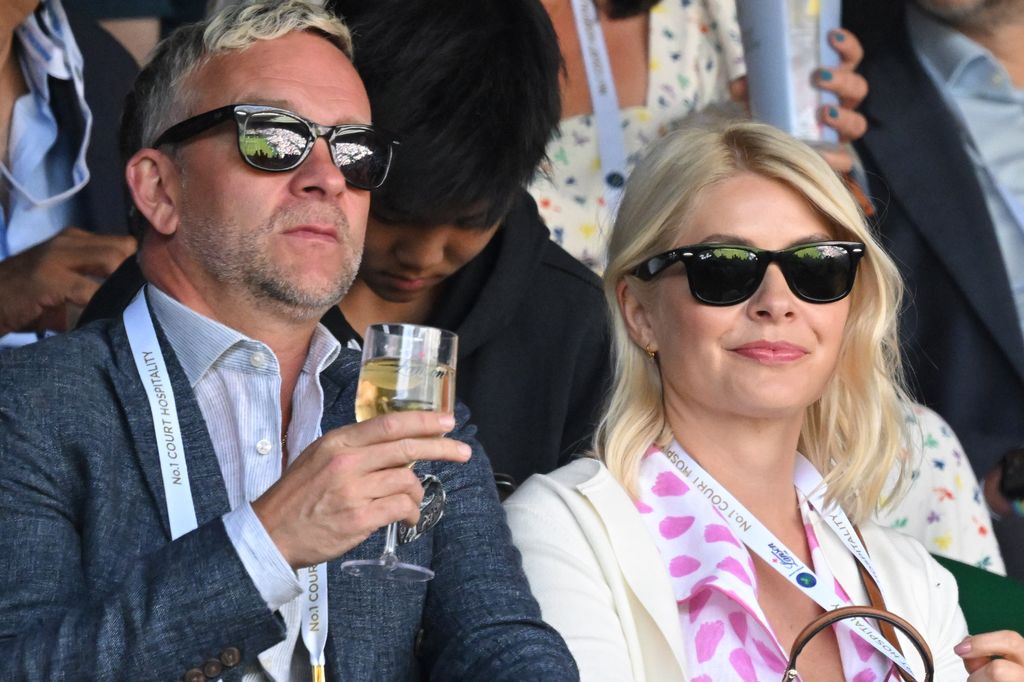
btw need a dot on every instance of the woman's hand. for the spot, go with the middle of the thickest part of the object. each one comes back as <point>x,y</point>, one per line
<point>851,88</point>
<point>993,656</point>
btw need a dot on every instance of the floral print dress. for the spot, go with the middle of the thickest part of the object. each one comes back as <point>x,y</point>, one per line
<point>695,51</point>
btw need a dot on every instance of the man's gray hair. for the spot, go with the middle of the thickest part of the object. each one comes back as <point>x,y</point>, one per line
<point>158,99</point>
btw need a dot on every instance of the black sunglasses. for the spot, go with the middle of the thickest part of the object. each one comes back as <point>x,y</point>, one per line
<point>724,274</point>
<point>278,140</point>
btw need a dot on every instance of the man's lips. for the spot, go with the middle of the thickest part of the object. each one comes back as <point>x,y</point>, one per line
<point>324,233</point>
<point>771,352</point>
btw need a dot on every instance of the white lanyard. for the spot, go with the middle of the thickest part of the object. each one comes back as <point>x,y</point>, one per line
<point>763,542</point>
<point>611,144</point>
<point>149,361</point>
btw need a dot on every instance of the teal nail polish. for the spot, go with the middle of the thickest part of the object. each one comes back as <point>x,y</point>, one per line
<point>839,36</point>
<point>833,112</point>
<point>824,74</point>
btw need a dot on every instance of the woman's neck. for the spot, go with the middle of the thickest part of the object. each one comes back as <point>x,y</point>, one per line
<point>753,459</point>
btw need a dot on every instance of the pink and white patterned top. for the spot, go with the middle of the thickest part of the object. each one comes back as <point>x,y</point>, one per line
<point>726,635</point>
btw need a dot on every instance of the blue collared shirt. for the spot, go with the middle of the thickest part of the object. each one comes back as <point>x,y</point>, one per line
<point>991,109</point>
<point>237,383</point>
<point>46,169</point>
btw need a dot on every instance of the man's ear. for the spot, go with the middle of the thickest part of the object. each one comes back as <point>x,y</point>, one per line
<point>155,185</point>
<point>635,315</point>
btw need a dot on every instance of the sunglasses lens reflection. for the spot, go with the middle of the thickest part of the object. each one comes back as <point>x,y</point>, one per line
<point>724,275</point>
<point>820,272</point>
<point>727,275</point>
<point>274,141</point>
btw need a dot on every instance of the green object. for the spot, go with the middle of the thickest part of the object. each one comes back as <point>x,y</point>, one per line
<point>989,601</point>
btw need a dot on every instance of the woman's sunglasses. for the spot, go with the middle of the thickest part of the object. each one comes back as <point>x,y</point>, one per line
<point>278,140</point>
<point>723,274</point>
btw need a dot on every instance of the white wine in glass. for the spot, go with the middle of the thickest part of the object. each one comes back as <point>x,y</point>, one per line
<point>405,367</point>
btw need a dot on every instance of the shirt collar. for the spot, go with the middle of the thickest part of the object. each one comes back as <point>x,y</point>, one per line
<point>199,342</point>
<point>956,62</point>
<point>49,46</point>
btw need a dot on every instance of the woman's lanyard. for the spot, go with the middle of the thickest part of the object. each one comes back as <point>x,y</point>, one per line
<point>611,143</point>
<point>149,361</point>
<point>763,542</point>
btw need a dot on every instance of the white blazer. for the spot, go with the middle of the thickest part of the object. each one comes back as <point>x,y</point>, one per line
<point>602,584</point>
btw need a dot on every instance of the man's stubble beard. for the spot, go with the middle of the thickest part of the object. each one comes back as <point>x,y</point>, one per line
<point>234,255</point>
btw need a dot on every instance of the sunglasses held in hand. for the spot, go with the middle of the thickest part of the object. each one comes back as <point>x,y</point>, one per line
<point>278,140</point>
<point>724,274</point>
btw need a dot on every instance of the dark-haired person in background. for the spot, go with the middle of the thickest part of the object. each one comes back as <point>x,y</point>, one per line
<point>945,159</point>
<point>453,239</point>
<point>63,208</point>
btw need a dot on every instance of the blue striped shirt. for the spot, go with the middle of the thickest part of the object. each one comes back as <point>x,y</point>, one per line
<point>237,383</point>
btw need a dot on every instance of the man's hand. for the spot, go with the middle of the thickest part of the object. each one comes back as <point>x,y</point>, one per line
<point>353,481</point>
<point>36,286</point>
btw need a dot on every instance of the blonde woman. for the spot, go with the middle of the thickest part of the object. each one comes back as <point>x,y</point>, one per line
<point>755,415</point>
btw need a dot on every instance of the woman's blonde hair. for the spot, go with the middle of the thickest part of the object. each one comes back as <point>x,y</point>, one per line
<point>854,434</point>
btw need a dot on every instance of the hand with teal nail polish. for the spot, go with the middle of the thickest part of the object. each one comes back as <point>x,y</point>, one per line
<point>849,87</point>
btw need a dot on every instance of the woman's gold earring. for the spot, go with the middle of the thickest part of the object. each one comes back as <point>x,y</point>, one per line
<point>652,354</point>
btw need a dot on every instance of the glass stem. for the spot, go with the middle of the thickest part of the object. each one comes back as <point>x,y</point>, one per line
<point>390,544</point>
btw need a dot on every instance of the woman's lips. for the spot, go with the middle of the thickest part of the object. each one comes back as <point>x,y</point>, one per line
<point>771,352</point>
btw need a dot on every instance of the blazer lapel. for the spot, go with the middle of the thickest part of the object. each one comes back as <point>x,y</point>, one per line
<point>209,494</point>
<point>638,558</point>
<point>946,205</point>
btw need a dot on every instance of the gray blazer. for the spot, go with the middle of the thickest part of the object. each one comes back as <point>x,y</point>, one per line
<point>93,588</point>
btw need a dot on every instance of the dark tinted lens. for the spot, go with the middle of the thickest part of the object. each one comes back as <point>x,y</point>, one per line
<point>362,157</point>
<point>274,141</point>
<point>820,272</point>
<point>723,275</point>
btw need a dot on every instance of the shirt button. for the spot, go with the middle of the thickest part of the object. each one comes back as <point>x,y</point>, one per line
<point>264,447</point>
<point>195,675</point>
<point>258,359</point>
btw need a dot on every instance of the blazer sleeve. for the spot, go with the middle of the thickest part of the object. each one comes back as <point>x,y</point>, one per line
<point>480,621</point>
<point>80,599</point>
<point>569,581</point>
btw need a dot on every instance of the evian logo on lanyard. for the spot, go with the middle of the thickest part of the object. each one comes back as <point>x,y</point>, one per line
<point>765,544</point>
<point>152,369</point>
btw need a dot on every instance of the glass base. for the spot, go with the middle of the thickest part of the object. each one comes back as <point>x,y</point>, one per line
<point>384,569</point>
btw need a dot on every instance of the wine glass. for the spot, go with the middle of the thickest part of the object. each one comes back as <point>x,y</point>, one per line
<point>405,367</point>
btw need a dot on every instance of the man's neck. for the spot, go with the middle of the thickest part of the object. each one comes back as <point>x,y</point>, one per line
<point>999,29</point>
<point>287,335</point>
<point>362,308</point>
<point>1006,43</point>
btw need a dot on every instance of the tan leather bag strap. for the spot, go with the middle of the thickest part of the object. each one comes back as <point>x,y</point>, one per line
<point>830,617</point>
<point>887,622</point>
<point>877,601</point>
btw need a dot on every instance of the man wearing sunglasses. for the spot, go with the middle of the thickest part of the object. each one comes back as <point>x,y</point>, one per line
<point>180,484</point>
<point>453,240</point>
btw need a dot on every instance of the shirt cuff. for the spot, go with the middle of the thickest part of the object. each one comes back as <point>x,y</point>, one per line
<point>270,573</point>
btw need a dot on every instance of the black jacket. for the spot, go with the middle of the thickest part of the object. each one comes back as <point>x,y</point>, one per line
<point>533,346</point>
<point>533,343</point>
